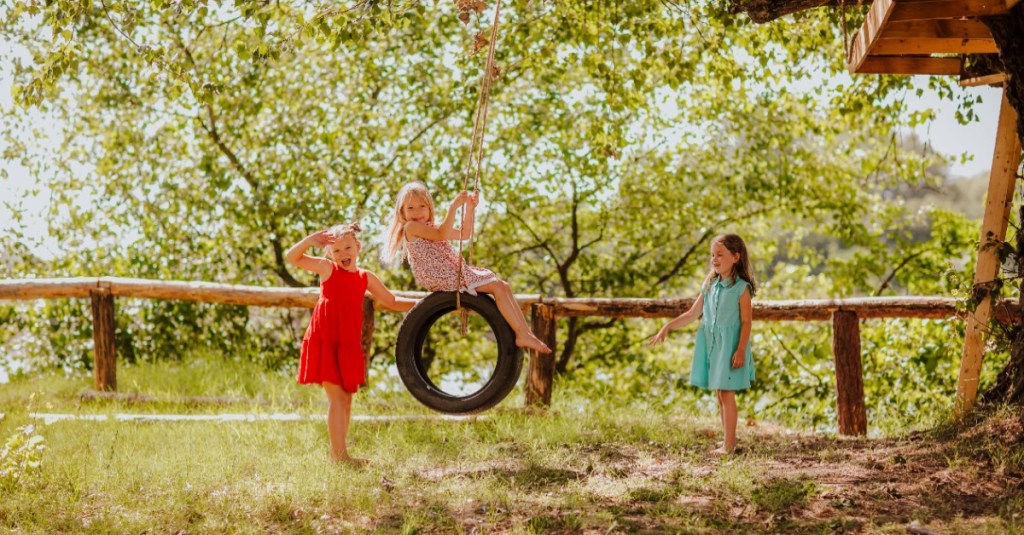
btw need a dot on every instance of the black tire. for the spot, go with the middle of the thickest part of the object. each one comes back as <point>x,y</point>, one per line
<point>409,354</point>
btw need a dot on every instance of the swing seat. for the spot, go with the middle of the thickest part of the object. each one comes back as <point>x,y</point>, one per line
<point>413,369</point>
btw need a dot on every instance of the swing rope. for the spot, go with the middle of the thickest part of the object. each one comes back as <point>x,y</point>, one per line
<point>476,152</point>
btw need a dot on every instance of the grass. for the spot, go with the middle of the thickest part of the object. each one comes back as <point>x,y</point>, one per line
<point>582,467</point>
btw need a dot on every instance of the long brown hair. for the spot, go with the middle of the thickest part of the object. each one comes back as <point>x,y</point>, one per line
<point>735,245</point>
<point>394,249</point>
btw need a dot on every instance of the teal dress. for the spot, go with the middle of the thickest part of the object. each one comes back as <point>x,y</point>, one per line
<point>718,337</point>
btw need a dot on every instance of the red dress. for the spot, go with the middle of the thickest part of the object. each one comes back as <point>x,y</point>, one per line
<point>332,349</point>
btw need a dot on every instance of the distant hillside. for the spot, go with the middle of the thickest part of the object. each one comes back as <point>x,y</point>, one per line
<point>965,195</point>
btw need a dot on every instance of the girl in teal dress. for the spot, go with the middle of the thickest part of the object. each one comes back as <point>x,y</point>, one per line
<point>722,360</point>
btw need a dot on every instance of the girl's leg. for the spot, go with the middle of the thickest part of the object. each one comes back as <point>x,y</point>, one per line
<point>339,413</point>
<point>509,308</point>
<point>721,412</point>
<point>729,419</point>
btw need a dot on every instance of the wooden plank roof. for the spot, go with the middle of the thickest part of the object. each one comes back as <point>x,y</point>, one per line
<point>923,36</point>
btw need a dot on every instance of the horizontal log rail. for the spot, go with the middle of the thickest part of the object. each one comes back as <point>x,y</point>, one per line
<point>845,315</point>
<point>235,294</point>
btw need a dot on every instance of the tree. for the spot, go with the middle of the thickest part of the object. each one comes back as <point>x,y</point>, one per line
<point>203,138</point>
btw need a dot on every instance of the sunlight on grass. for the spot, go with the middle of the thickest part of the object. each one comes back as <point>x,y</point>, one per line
<point>589,463</point>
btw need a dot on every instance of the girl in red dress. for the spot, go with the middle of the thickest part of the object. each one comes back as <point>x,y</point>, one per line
<point>332,352</point>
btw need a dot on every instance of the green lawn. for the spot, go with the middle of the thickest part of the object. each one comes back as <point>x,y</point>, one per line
<point>584,466</point>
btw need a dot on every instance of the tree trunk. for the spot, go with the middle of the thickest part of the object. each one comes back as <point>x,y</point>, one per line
<point>1009,385</point>
<point>1007,31</point>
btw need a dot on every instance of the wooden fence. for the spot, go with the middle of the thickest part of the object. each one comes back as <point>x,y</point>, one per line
<point>845,315</point>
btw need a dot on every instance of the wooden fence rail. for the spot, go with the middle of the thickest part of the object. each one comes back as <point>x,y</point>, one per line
<point>845,315</point>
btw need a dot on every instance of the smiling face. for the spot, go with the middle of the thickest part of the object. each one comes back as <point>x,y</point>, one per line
<point>417,208</point>
<point>344,251</point>
<point>723,260</point>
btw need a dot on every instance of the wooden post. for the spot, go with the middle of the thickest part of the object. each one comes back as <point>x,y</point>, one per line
<point>850,409</point>
<point>104,365</point>
<point>367,336</point>
<point>993,229</point>
<point>541,373</point>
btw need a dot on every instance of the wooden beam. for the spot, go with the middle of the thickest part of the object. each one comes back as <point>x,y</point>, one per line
<point>989,79</point>
<point>922,29</point>
<point>868,33</point>
<point>1005,160</point>
<point>802,310</point>
<point>933,45</point>
<point>540,375</point>
<point>104,363</point>
<point>850,409</point>
<point>909,65</point>
<point>948,9</point>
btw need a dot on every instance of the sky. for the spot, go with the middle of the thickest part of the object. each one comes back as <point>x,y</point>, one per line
<point>949,137</point>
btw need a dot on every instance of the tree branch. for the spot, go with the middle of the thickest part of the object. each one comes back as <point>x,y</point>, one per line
<point>761,11</point>
<point>895,270</point>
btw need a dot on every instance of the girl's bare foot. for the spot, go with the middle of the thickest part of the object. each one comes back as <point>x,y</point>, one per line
<point>532,342</point>
<point>722,451</point>
<point>350,461</point>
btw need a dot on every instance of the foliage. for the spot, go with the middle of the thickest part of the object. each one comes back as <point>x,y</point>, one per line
<point>21,458</point>
<point>199,139</point>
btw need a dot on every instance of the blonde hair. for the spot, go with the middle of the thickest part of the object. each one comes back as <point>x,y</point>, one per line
<point>394,243</point>
<point>338,231</point>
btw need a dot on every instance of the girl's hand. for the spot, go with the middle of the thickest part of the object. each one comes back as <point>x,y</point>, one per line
<point>658,338</point>
<point>322,238</point>
<point>738,359</point>
<point>473,199</point>
<point>460,200</point>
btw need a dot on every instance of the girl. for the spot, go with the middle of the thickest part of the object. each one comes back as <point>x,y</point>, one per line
<point>332,352</point>
<point>436,264</point>
<point>722,360</point>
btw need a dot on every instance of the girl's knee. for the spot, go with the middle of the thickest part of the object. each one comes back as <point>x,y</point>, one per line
<point>335,393</point>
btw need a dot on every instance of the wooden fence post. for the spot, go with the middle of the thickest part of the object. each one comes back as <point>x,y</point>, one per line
<point>850,410</point>
<point>367,335</point>
<point>104,365</point>
<point>1005,159</point>
<point>541,373</point>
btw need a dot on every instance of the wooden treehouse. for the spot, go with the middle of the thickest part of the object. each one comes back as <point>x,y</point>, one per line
<point>943,37</point>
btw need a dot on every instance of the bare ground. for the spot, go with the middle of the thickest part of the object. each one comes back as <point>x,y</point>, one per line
<point>965,479</point>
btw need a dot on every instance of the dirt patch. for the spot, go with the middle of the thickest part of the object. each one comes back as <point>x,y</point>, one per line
<point>962,480</point>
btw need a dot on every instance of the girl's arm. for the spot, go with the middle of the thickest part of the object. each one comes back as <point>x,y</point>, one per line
<point>385,297</point>
<point>446,231</point>
<point>297,254</point>
<point>679,321</point>
<point>465,230</point>
<point>746,313</point>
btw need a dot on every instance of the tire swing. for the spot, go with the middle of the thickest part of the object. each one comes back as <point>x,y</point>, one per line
<point>413,365</point>
<point>413,368</point>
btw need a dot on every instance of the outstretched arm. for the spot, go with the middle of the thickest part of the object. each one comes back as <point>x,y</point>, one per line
<point>384,296</point>
<point>679,321</point>
<point>297,254</point>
